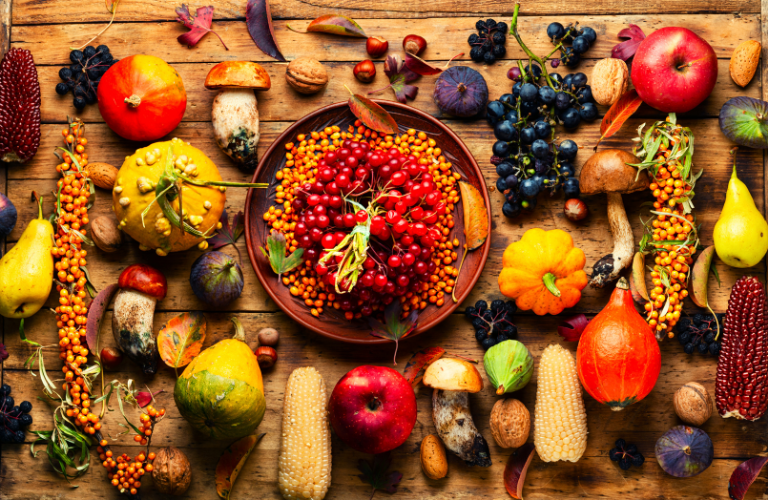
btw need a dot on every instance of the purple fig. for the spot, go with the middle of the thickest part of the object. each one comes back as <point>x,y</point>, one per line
<point>744,120</point>
<point>7,216</point>
<point>216,278</point>
<point>461,91</point>
<point>684,451</point>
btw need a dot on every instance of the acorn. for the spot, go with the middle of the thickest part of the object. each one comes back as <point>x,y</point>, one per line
<point>365,71</point>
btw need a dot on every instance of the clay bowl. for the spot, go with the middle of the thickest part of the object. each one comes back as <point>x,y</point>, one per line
<point>332,323</point>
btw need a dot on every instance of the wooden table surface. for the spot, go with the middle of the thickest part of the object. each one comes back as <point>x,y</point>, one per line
<point>49,27</point>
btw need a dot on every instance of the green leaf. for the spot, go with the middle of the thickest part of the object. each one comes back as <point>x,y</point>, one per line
<point>394,328</point>
<point>275,252</point>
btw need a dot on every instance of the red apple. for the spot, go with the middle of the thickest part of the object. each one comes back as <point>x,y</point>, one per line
<point>674,70</point>
<point>373,409</point>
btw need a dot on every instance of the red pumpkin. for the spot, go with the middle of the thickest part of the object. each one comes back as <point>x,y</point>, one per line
<point>618,356</point>
<point>142,98</point>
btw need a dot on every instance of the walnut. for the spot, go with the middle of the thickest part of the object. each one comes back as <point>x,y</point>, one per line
<point>693,404</point>
<point>105,233</point>
<point>610,79</point>
<point>306,75</point>
<point>510,423</point>
<point>172,473</point>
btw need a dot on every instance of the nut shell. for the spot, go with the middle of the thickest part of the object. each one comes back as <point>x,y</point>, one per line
<point>434,461</point>
<point>610,79</point>
<point>268,336</point>
<point>693,404</point>
<point>510,423</point>
<point>103,175</point>
<point>105,233</point>
<point>306,75</point>
<point>744,62</point>
<point>172,473</point>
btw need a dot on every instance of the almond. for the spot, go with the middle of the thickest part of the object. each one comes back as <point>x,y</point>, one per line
<point>434,463</point>
<point>610,79</point>
<point>744,61</point>
<point>102,174</point>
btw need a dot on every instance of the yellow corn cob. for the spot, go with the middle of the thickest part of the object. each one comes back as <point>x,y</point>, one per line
<point>560,426</point>
<point>304,467</point>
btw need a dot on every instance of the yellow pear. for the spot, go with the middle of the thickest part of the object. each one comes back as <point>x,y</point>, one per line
<point>26,271</point>
<point>741,233</point>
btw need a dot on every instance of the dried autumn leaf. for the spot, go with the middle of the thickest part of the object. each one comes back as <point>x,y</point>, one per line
<point>475,223</point>
<point>394,327</point>
<point>516,470</point>
<point>3,353</point>
<point>199,25</point>
<point>228,235</point>
<point>143,398</point>
<point>626,49</point>
<point>419,362</point>
<point>275,252</point>
<point>181,339</point>
<point>95,313</point>
<point>258,18</point>
<point>572,328</point>
<point>422,67</point>
<point>618,114</point>
<point>232,461</point>
<point>744,475</point>
<point>372,115</point>
<point>334,25</point>
<point>399,78</point>
<point>376,473</point>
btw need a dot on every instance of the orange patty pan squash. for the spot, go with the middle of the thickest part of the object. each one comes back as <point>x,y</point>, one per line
<point>543,272</point>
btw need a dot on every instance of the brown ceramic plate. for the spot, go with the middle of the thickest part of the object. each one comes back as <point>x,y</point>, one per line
<point>331,323</point>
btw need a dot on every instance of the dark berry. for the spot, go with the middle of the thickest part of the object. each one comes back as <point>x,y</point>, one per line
<point>714,348</point>
<point>7,403</point>
<point>584,95</point>
<point>555,31</point>
<point>620,444</point>
<point>540,148</point>
<point>481,334</point>
<point>497,305</point>
<point>79,102</point>
<point>498,38</point>
<point>7,436</point>
<point>490,23</point>
<point>25,419</point>
<point>13,424</point>
<point>569,57</point>
<point>684,338</point>
<point>473,39</point>
<point>562,101</point>
<point>588,112</point>
<point>479,322</point>
<point>502,27</point>
<point>480,25</point>
<point>510,210</point>
<point>528,135</point>
<point>533,71</point>
<point>19,436</point>
<point>76,56</point>
<point>499,51</point>
<point>588,34</point>
<point>505,169</point>
<point>489,58</point>
<point>543,130</point>
<point>502,149</point>
<point>15,412</point>
<point>567,150</point>
<point>488,342</point>
<point>579,80</point>
<point>481,306</point>
<point>65,73</point>
<point>62,88</point>
<point>570,118</point>
<point>26,406</point>
<point>476,54</point>
<point>637,460</point>
<point>625,463</point>
<point>547,95</point>
<point>495,111</point>
<point>89,51</point>
<point>580,45</point>
<point>505,131</point>
<point>688,348</point>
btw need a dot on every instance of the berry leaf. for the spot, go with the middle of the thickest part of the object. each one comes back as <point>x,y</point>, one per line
<point>199,25</point>
<point>419,362</point>
<point>572,328</point>
<point>399,78</point>
<point>394,327</point>
<point>422,67</point>
<point>516,470</point>
<point>618,114</point>
<point>375,472</point>
<point>3,353</point>
<point>228,235</point>
<point>372,115</point>
<point>181,339</point>
<point>258,18</point>
<point>334,25</point>
<point>143,398</point>
<point>744,475</point>
<point>275,252</point>
<point>626,49</point>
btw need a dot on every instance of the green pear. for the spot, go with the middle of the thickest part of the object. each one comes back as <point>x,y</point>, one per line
<point>741,233</point>
<point>26,271</point>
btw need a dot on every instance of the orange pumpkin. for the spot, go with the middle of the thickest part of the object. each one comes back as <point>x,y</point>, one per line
<point>142,98</point>
<point>618,356</point>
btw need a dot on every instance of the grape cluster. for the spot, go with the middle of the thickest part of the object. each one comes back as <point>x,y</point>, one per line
<point>13,419</point>
<point>492,324</point>
<point>580,40</point>
<point>488,44</point>
<point>83,76</point>
<point>626,454</point>
<point>698,334</point>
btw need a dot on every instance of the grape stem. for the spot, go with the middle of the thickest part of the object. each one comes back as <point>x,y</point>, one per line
<point>531,55</point>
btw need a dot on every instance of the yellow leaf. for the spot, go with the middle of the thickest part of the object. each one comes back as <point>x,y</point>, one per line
<point>181,339</point>
<point>475,216</point>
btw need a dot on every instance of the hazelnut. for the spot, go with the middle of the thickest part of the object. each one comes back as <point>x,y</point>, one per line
<point>268,336</point>
<point>172,473</point>
<point>106,234</point>
<point>510,423</point>
<point>266,357</point>
<point>365,71</point>
<point>610,79</point>
<point>434,463</point>
<point>693,404</point>
<point>306,75</point>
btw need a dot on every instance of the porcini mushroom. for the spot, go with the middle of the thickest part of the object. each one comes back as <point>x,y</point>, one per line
<point>140,287</point>
<point>453,380</point>
<point>235,115</point>
<point>610,172</point>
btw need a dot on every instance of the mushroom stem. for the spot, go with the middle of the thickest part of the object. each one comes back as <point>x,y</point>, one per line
<point>132,326</point>
<point>607,269</point>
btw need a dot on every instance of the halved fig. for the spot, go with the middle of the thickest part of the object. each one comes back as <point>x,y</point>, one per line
<point>743,120</point>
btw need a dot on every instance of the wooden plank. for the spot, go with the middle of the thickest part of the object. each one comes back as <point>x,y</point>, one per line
<point>445,38</point>
<point>593,235</point>
<point>282,103</point>
<point>69,11</point>
<point>5,41</point>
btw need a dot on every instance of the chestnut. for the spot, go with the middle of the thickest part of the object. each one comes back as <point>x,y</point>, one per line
<point>266,357</point>
<point>110,358</point>
<point>575,209</point>
<point>365,71</point>
<point>376,46</point>
<point>414,44</point>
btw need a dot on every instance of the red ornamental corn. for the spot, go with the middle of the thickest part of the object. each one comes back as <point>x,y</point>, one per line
<point>19,106</point>
<point>740,390</point>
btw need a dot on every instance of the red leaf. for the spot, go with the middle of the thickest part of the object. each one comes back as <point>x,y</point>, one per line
<point>516,469</point>
<point>258,18</point>
<point>744,475</point>
<point>334,25</point>
<point>625,50</point>
<point>3,353</point>
<point>372,115</point>
<point>618,114</point>
<point>419,362</point>
<point>572,328</point>
<point>199,25</point>
<point>422,67</point>
<point>96,311</point>
<point>143,398</point>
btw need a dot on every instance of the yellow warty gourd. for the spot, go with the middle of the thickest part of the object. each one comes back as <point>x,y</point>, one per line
<point>304,466</point>
<point>560,425</point>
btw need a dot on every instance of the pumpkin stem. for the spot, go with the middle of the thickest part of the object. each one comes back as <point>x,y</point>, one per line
<point>549,282</point>
<point>623,284</point>
<point>239,330</point>
<point>134,101</point>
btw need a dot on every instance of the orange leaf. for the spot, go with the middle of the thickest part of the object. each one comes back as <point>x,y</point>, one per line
<point>231,461</point>
<point>419,362</point>
<point>372,115</point>
<point>618,114</point>
<point>475,216</point>
<point>181,339</point>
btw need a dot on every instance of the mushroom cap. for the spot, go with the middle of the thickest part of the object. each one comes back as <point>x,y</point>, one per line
<point>144,279</point>
<point>238,75</point>
<point>607,172</point>
<point>453,374</point>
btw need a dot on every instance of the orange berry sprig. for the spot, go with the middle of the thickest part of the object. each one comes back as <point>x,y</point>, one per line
<point>671,237</point>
